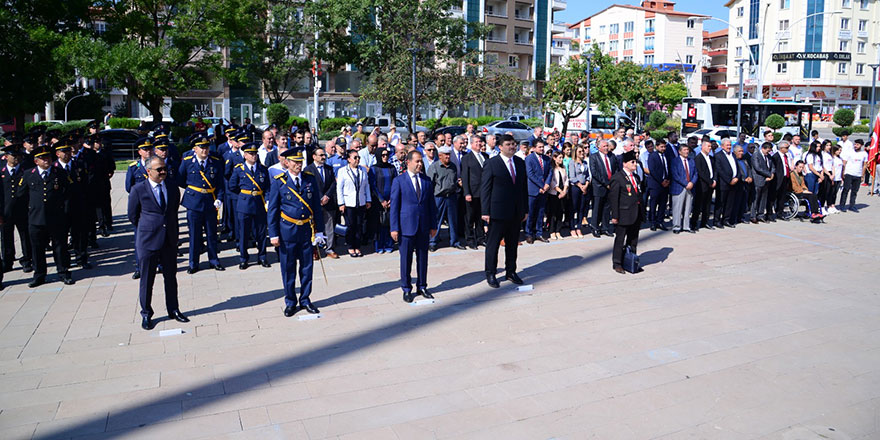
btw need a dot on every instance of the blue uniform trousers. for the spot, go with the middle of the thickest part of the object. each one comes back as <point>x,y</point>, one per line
<point>254,227</point>
<point>290,254</point>
<point>198,223</point>
<point>409,245</point>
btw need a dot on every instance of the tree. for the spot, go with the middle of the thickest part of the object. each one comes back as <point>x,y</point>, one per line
<point>657,119</point>
<point>566,91</point>
<point>491,86</point>
<point>844,118</point>
<point>181,111</point>
<point>83,107</point>
<point>775,122</point>
<point>277,114</point>
<point>671,94</point>
<point>158,48</point>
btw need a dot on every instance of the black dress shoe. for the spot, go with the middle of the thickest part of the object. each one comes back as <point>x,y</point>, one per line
<point>407,297</point>
<point>730,225</point>
<point>543,239</point>
<point>596,234</point>
<point>653,227</point>
<point>265,263</point>
<point>218,267</point>
<point>311,308</point>
<point>640,270</point>
<point>242,266</point>
<point>529,239</point>
<point>514,278</point>
<point>662,227</point>
<point>676,231</point>
<point>27,269</point>
<point>432,248</point>
<point>718,227</point>
<point>192,270</point>
<point>36,282</point>
<point>473,246</point>
<point>425,293</point>
<point>66,279</point>
<point>609,233</point>
<point>711,228</point>
<point>147,323</point>
<point>691,231</point>
<point>290,311</point>
<point>136,275</point>
<point>460,247</point>
<point>177,316</point>
<point>619,270</point>
<point>493,282</point>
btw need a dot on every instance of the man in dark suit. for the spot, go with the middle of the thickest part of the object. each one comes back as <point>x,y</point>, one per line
<point>413,213</point>
<point>782,186</point>
<point>15,211</point>
<point>323,172</point>
<point>471,177</point>
<point>627,209</point>
<point>504,199</point>
<point>763,173</point>
<point>538,170</point>
<point>729,177</point>
<point>602,166</point>
<point>705,186</point>
<point>658,185</point>
<point>152,209</point>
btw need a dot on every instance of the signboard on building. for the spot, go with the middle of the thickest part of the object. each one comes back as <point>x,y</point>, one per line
<point>779,91</point>
<point>811,56</point>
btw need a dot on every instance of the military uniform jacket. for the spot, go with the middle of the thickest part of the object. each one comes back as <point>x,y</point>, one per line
<point>14,206</point>
<point>200,192</point>
<point>233,158</point>
<point>137,173</point>
<point>47,198</point>
<point>79,181</point>
<point>251,189</point>
<point>104,166</point>
<point>626,199</point>
<point>284,205</point>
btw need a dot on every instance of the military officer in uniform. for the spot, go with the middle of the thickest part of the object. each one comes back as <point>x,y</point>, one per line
<point>201,176</point>
<point>78,206</point>
<point>15,211</point>
<point>248,186</point>
<point>232,157</point>
<point>296,226</point>
<point>162,150</point>
<point>46,188</point>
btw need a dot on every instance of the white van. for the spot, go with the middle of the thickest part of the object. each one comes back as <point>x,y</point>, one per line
<point>601,125</point>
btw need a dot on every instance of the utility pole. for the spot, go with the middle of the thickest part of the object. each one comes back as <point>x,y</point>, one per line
<point>871,113</point>
<point>739,98</point>
<point>589,57</point>
<point>412,122</point>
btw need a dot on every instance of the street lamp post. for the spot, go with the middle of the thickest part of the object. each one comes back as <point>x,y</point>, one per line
<point>589,57</point>
<point>873,99</point>
<point>739,98</point>
<point>69,101</point>
<point>412,122</point>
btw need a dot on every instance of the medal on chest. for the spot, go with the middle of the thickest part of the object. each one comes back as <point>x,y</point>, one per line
<point>629,189</point>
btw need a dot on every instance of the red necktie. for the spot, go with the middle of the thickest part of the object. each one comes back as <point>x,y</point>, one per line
<point>607,167</point>
<point>785,158</point>
<point>633,180</point>
<point>687,171</point>
<point>512,173</point>
<point>540,162</point>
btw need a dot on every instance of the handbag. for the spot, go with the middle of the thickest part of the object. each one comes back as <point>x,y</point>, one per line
<point>630,260</point>
<point>384,219</point>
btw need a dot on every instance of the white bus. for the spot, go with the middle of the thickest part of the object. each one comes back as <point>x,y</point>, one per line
<point>601,125</point>
<point>711,113</point>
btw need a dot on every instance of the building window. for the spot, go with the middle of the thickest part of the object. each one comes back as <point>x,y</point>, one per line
<point>649,25</point>
<point>863,4</point>
<point>100,27</point>
<point>629,26</point>
<point>783,25</point>
<point>586,33</point>
<point>739,31</point>
<point>781,67</point>
<point>691,23</point>
<point>612,45</point>
<point>614,28</point>
<point>860,47</point>
<point>739,52</point>
<point>577,33</point>
<point>491,58</point>
<point>755,52</point>
<point>512,61</point>
<point>863,25</point>
<point>628,44</point>
<point>813,37</point>
<point>649,43</point>
<point>649,59</point>
<point>628,59</point>
<point>860,69</point>
<point>844,45</point>
<point>841,68</point>
<point>602,46</point>
<point>602,30</point>
<point>783,46</point>
<point>784,4</point>
<point>754,16</point>
<point>845,3</point>
<point>844,24</point>
<point>689,59</point>
<point>740,11</point>
<point>689,41</point>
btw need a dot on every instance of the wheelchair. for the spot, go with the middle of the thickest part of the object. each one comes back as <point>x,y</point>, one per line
<point>792,209</point>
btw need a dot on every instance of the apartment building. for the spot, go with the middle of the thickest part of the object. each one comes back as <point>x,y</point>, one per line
<point>653,33</point>
<point>714,70</point>
<point>816,50</point>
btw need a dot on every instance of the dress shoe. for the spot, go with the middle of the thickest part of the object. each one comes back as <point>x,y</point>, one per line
<point>529,239</point>
<point>87,265</point>
<point>543,239</point>
<point>676,231</point>
<point>730,225</point>
<point>311,308</point>
<point>640,270</point>
<point>609,234</point>
<point>242,266</point>
<point>432,248</point>
<point>147,323</point>
<point>177,316</point>
<point>711,228</point>
<point>36,282</point>
<point>136,275</point>
<point>27,269</point>
<point>459,247</point>
<point>332,255</point>
<point>619,270</point>
<point>719,227</point>
<point>690,231</point>
<point>218,267</point>
<point>754,220</point>
<point>266,263</point>
<point>662,227</point>
<point>425,293</point>
<point>772,220</point>
<point>290,311</point>
<point>653,227</point>
<point>473,246</point>
<point>66,279</point>
<point>514,278</point>
<point>407,297</point>
<point>493,282</point>
<point>192,270</point>
<point>596,234</point>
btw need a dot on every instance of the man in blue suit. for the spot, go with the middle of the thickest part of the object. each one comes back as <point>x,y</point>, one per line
<point>413,211</point>
<point>538,172</point>
<point>201,174</point>
<point>296,226</point>
<point>658,185</point>
<point>248,186</point>
<point>152,209</point>
<point>683,180</point>
<point>137,173</point>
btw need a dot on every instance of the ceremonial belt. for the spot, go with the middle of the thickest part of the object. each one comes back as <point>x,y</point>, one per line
<point>211,191</point>
<point>298,222</point>
<point>201,190</point>
<point>252,193</point>
<point>258,192</point>
<point>311,213</point>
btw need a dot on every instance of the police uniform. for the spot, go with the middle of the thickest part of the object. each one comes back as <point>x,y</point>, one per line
<point>137,173</point>
<point>296,220</point>
<point>170,164</point>
<point>77,203</point>
<point>15,212</point>
<point>104,169</point>
<point>248,186</point>
<point>203,185</point>
<point>47,194</point>
<point>231,159</point>
<point>160,134</point>
<point>230,131</point>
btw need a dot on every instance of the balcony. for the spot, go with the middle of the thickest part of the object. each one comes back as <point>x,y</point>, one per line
<point>496,39</point>
<point>558,28</point>
<point>717,52</point>
<point>713,86</point>
<point>559,5</point>
<point>558,51</point>
<point>716,69</point>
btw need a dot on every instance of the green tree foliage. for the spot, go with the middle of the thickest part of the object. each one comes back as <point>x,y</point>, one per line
<point>277,114</point>
<point>671,94</point>
<point>181,111</point>
<point>844,118</point>
<point>83,107</point>
<point>566,92</point>
<point>657,119</point>
<point>491,86</point>
<point>775,122</point>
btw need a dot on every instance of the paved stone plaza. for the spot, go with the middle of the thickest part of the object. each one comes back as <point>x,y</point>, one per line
<point>765,331</point>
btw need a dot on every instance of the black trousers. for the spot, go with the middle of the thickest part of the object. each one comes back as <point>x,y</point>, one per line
<point>700,214</point>
<point>8,241</point>
<point>81,225</point>
<point>624,235</point>
<point>659,197</point>
<point>103,209</point>
<point>507,229</point>
<point>354,221</point>
<point>601,212</point>
<point>40,236</point>
<point>782,194</point>
<point>147,264</point>
<point>473,223</point>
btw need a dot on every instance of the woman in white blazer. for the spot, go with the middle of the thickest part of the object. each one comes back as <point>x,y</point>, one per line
<point>353,195</point>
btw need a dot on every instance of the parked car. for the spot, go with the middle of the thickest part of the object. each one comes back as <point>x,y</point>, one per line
<point>120,141</point>
<point>716,134</point>
<point>384,124</point>
<point>454,130</point>
<point>517,117</point>
<point>519,130</point>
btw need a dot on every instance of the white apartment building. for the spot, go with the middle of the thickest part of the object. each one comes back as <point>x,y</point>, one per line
<point>816,50</point>
<point>653,33</point>
<point>715,63</point>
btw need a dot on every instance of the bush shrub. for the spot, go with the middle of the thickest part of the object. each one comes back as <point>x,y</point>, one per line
<point>181,132</point>
<point>777,136</point>
<point>844,117</point>
<point>326,135</point>
<point>125,123</point>
<point>456,121</point>
<point>659,135</point>
<point>29,125</point>
<point>864,121</point>
<point>775,122</point>
<point>533,122</point>
<point>277,114</point>
<point>842,131</point>
<point>430,124</point>
<point>181,111</point>
<point>483,120</point>
<point>861,128</point>
<point>297,121</point>
<point>657,119</point>
<point>335,124</point>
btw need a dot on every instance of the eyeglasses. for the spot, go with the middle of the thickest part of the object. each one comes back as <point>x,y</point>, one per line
<point>384,154</point>
<point>160,169</point>
<point>430,149</point>
<point>356,158</point>
<point>321,155</point>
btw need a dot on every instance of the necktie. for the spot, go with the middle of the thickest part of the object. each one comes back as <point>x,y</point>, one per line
<point>162,203</point>
<point>512,173</point>
<point>43,174</point>
<point>480,159</point>
<point>202,166</point>
<point>418,188</point>
<point>540,162</point>
<point>296,183</point>
<point>767,159</point>
<point>687,171</point>
<point>665,167</point>
<point>607,166</point>
<point>785,158</point>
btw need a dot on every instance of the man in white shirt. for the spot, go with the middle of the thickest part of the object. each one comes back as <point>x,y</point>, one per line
<point>853,168</point>
<point>267,148</point>
<point>846,145</point>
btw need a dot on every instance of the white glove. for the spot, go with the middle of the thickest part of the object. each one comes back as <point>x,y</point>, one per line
<point>320,239</point>
<point>218,204</point>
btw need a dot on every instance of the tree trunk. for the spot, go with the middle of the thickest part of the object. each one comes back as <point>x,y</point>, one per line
<point>155,106</point>
<point>442,115</point>
<point>19,122</point>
